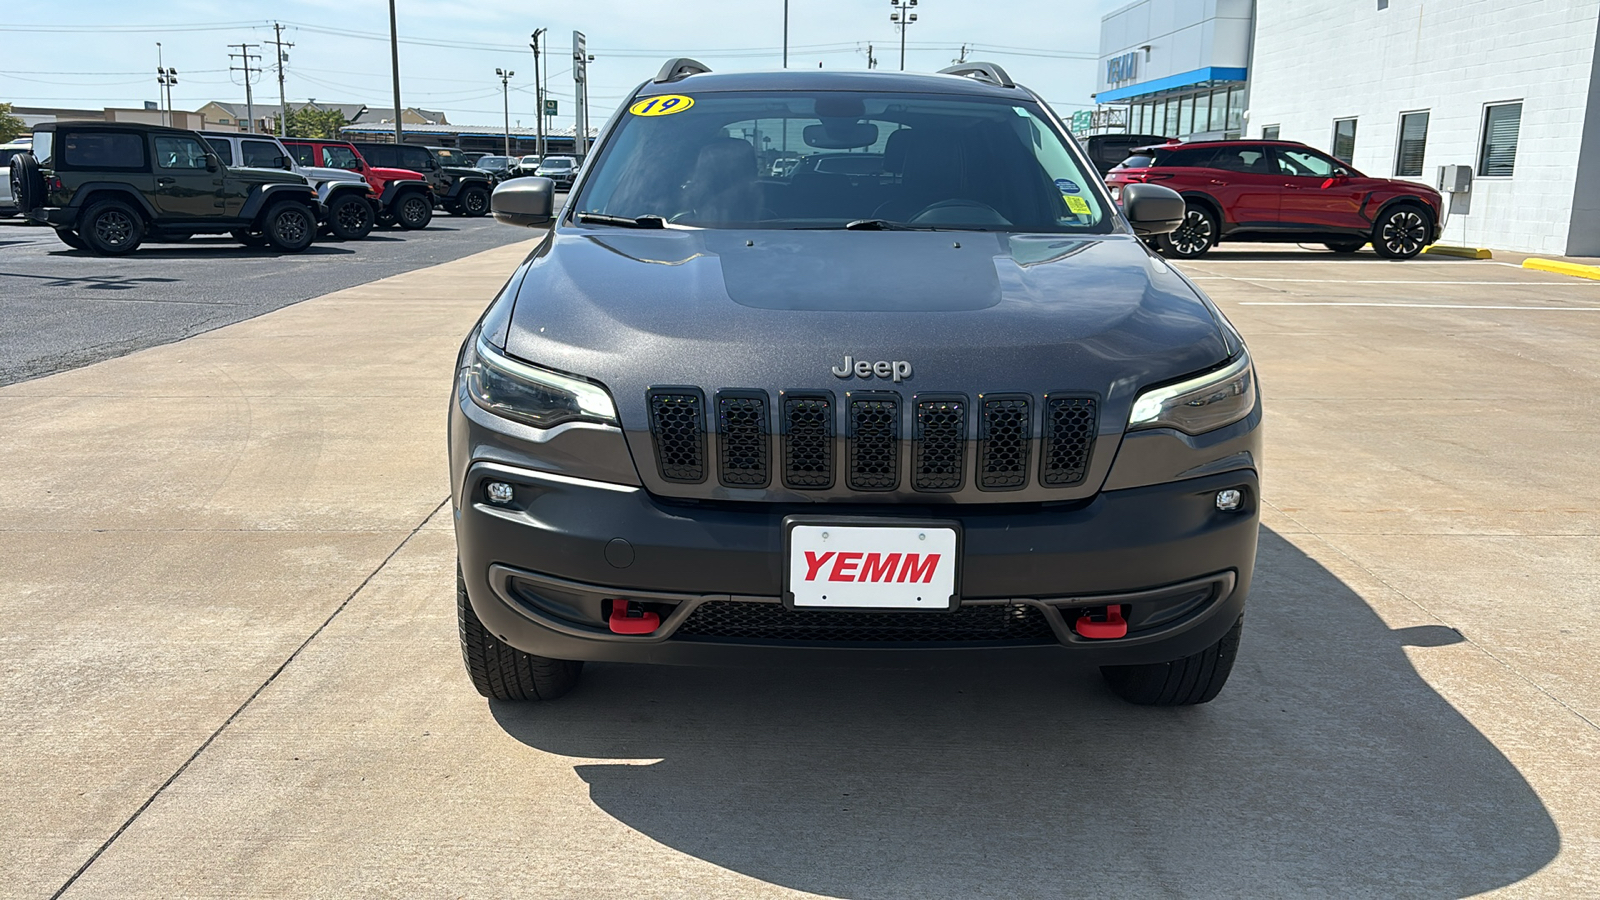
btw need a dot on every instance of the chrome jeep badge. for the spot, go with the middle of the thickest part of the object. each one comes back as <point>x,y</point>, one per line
<point>899,370</point>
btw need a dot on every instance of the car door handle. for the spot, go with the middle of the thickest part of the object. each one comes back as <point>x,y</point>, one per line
<point>166,182</point>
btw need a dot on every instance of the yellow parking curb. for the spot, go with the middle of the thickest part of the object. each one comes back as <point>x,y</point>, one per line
<point>1576,270</point>
<point>1463,252</point>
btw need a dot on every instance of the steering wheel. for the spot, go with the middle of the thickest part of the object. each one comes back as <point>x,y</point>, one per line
<point>959,212</point>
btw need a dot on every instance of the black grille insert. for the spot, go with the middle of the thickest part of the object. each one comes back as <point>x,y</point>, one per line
<point>808,441</point>
<point>742,427</point>
<point>939,460</point>
<point>874,442</point>
<point>677,420</point>
<point>1003,454</point>
<point>1069,435</point>
<point>737,620</point>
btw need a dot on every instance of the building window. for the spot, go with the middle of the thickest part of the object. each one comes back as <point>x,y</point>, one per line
<point>1498,153</point>
<point>1202,111</point>
<point>223,122</point>
<point>1269,132</point>
<point>1186,115</point>
<point>1413,141</point>
<point>1383,4</point>
<point>1344,140</point>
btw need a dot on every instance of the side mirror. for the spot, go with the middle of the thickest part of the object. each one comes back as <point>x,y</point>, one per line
<point>430,165</point>
<point>211,163</point>
<point>1152,209</point>
<point>285,163</point>
<point>528,202</point>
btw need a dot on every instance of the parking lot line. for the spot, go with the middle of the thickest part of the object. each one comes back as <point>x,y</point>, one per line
<point>1412,305</point>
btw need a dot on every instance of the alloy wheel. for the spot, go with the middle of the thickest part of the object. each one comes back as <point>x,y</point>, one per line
<point>353,216</point>
<point>292,226</point>
<point>1403,233</point>
<point>1194,236</point>
<point>474,202</point>
<point>114,228</point>
<point>413,210</point>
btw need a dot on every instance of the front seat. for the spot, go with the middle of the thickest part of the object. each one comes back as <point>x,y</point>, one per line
<point>931,173</point>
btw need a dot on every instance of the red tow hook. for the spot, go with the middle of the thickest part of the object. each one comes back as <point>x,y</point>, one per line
<point>1114,626</point>
<point>630,618</point>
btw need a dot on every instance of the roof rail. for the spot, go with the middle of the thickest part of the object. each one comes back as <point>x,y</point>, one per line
<point>679,68</point>
<point>983,72</point>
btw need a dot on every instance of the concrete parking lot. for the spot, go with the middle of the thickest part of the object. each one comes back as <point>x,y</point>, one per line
<point>228,658</point>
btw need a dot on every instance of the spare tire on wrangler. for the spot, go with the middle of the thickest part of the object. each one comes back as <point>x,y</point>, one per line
<point>27,183</point>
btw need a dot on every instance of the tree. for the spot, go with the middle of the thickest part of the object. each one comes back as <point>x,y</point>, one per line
<point>310,122</point>
<point>11,127</point>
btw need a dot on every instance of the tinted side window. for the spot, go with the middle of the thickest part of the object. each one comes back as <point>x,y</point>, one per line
<point>179,153</point>
<point>222,149</point>
<point>414,158</point>
<point>303,154</point>
<point>1242,159</point>
<point>260,154</point>
<point>102,150</point>
<point>380,155</point>
<point>1191,159</point>
<point>1138,162</point>
<point>336,157</point>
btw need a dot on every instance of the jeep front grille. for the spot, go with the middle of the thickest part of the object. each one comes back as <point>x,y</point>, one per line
<point>677,419</point>
<point>874,442</point>
<point>742,419</point>
<point>1068,439</point>
<point>808,439</point>
<point>808,442</point>
<point>738,620</point>
<point>1003,448</point>
<point>941,445</point>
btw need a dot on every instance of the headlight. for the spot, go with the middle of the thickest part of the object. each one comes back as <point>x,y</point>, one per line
<point>539,397</point>
<point>1200,404</point>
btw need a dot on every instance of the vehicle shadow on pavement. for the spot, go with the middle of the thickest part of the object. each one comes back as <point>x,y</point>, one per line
<point>1327,767</point>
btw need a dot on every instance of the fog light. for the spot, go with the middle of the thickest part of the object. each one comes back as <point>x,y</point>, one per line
<point>500,492</point>
<point>1227,501</point>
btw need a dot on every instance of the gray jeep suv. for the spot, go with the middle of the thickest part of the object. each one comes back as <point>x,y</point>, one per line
<point>949,402</point>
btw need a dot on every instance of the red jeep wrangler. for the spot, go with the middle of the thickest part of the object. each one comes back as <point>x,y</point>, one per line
<point>402,197</point>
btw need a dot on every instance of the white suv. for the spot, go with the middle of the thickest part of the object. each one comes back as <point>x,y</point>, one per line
<point>8,203</point>
<point>345,194</point>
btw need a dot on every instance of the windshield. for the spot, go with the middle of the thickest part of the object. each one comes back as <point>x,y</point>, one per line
<point>556,163</point>
<point>798,159</point>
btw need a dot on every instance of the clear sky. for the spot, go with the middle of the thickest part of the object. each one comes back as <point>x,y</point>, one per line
<point>94,53</point>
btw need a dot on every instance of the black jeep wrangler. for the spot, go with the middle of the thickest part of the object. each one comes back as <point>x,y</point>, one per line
<point>106,187</point>
<point>458,190</point>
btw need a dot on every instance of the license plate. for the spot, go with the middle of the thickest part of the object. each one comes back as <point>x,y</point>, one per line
<point>855,566</point>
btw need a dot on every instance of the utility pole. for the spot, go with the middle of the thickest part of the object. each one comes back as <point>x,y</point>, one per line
<point>283,102</point>
<point>872,61</point>
<point>905,18</point>
<point>963,57</point>
<point>505,92</point>
<point>538,89</point>
<point>165,79</point>
<point>244,55</point>
<point>394,61</point>
<point>786,34</point>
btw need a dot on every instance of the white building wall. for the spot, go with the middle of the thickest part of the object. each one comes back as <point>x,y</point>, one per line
<point>1321,60</point>
<point>1183,35</point>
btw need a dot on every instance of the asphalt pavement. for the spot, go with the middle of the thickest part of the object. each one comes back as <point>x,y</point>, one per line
<point>229,664</point>
<point>62,308</point>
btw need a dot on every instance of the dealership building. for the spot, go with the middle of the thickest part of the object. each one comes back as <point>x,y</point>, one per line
<point>1494,101</point>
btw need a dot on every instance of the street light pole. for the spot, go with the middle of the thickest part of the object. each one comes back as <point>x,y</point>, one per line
<point>505,91</point>
<point>905,18</point>
<point>786,34</point>
<point>538,89</point>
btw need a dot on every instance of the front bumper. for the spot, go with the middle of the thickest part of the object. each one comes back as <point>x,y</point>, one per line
<point>542,572</point>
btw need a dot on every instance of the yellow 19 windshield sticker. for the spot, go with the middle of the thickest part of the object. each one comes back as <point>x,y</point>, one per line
<point>664,105</point>
<point>1077,204</point>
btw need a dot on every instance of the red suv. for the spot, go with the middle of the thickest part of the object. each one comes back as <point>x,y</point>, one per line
<point>402,197</point>
<point>1281,191</point>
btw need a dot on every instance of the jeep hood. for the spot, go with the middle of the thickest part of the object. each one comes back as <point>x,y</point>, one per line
<point>777,310</point>
<point>267,176</point>
<point>396,174</point>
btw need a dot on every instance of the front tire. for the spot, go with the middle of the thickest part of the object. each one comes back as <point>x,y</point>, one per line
<point>70,238</point>
<point>1401,232</point>
<point>111,228</point>
<point>289,227</point>
<point>415,211</point>
<point>350,217</point>
<point>474,202</point>
<point>1182,682</point>
<point>502,672</point>
<point>1194,237</point>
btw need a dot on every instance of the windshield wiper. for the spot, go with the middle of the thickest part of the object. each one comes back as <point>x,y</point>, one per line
<point>883,225</point>
<point>622,221</point>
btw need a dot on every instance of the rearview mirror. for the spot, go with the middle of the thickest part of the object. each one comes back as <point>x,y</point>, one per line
<point>841,136</point>
<point>1152,209</point>
<point>528,202</point>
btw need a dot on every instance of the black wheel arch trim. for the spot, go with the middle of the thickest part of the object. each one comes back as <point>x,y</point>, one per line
<point>257,201</point>
<point>1213,207</point>
<point>393,189</point>
<point>92,191</point>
